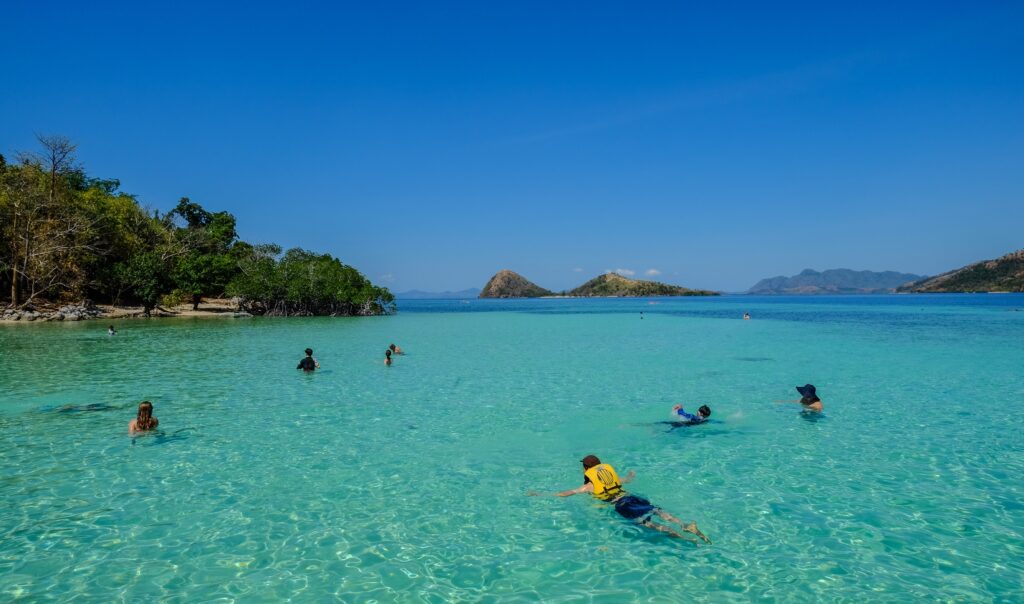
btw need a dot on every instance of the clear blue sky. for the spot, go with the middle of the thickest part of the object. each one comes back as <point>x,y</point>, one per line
<point>431,143</point>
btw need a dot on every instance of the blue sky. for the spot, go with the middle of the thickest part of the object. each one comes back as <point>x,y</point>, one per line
<point>430,144</point>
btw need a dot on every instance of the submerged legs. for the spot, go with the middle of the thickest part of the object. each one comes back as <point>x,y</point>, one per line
<point>689,528</point>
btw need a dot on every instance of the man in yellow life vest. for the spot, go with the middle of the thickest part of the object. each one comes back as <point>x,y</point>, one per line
<point>601,481</point>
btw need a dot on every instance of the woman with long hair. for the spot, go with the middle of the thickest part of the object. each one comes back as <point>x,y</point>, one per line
<point>144,420</point>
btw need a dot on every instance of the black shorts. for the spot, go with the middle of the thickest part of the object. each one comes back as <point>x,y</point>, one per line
<point>633,507</point>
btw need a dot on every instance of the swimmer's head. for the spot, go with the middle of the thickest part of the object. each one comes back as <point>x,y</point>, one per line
<point>387,353</point>
<point>809,394</point>
<point>704,411</point>
<point>145,410</point>
<point>391,348</point>
<point>309,352</point>
<point>590,461</point>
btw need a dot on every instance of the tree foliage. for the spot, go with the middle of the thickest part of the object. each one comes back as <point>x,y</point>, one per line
<point>67,237</point>
<point>304,283</point>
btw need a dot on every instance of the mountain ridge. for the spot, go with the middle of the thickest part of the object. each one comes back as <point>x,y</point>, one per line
<point>834,281</point>
<point>416,294</point>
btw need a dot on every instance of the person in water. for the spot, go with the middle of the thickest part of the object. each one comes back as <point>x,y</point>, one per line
<point>680,416</point>
<point>601,481</point>
<point>144,421</point>
<point>746,316</point>
<point>395,349</point>
<point>111,331</point>
<point>308,363</point>
<point>387,357</point>
<point>809,398</point>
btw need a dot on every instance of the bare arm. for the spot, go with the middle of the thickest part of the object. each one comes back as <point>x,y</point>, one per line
<point>628,478</point>
<point>587,488</point>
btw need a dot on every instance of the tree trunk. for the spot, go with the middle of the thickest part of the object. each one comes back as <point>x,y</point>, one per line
<point>14,285</point>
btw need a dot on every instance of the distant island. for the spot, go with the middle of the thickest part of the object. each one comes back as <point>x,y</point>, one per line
<point>1004,274</point>
<point>612,284</point>
<point>415,294</point>
<point>834,281</point>
<point>508,284</point>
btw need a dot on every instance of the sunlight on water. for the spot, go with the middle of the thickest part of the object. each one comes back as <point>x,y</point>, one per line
<point>362,482</point>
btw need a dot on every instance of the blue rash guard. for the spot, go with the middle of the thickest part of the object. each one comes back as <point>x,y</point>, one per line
<point>689,418</point>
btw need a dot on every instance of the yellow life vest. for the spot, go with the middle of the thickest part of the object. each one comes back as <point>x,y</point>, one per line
<point>605,480</point>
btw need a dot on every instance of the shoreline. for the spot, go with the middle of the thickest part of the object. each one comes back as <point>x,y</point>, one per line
<point>214,307</point>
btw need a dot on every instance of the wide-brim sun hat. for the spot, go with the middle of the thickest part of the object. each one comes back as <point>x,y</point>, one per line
<point>807,390</point>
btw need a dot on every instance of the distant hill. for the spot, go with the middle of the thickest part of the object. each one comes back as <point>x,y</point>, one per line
<point>611,284</point>
<point>415,294</point>
<point>1005,274</point>
<point>834,281</point>
<point>507,284</point>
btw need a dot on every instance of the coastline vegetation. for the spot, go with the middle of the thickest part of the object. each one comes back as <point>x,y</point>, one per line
<point>66,236</point>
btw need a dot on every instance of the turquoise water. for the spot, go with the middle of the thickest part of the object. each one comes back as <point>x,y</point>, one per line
<point>365,483</point>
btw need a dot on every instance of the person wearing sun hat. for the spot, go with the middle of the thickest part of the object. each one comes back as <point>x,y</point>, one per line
<point>809,398</point>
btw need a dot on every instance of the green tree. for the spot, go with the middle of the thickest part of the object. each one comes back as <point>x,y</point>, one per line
<point>207,265</point>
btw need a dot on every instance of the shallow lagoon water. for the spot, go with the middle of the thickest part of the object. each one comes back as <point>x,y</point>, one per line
<point>365,483</point>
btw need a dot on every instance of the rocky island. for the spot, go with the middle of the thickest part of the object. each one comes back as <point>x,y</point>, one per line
<point>1004,274</point>
<point>612,284</point>
<point>508,284</point>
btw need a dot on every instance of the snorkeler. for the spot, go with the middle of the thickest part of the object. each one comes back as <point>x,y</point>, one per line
<point>111,331</point>
<point>809,400</point>
<point>144,421</point>
<point>387,357</point>
<point>396,349</point>
<point>308,363</point>
<point>682,418</point>
<point>601,481</point>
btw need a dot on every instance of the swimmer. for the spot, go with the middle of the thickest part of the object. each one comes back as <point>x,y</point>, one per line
<point>387,358</point>
<point>681,417</point>
<point>809,400</point>
<point>396,349</point>
<point>111,331</point>
<point>308,363</point>
<point>144,421</point>
<point>746,316</point>
<point>601,481</point>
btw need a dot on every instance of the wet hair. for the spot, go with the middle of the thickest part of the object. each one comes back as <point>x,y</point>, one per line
<point>309,352</point>
<point>387,353</point>
<point>392,347</point>
<point>590,461</point>
<point>809,400</point>
<point>144,420</point>
<point>704,411</point>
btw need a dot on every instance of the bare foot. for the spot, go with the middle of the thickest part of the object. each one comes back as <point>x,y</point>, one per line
<point>692,528</point>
